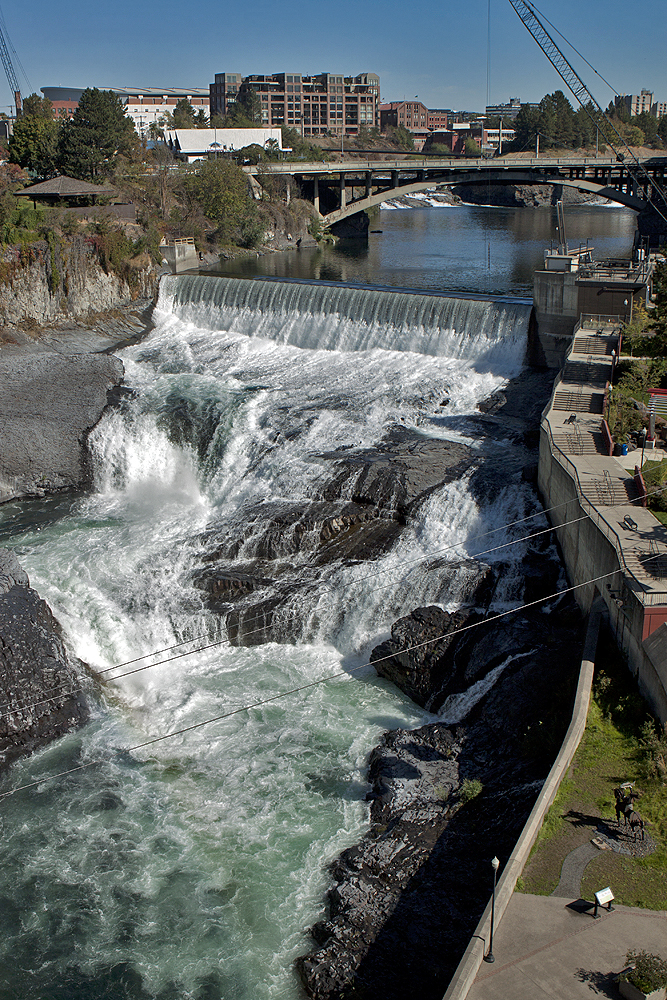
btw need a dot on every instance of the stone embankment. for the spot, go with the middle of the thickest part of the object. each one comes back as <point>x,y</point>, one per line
<point>56,380</point>
<point>48,405</point>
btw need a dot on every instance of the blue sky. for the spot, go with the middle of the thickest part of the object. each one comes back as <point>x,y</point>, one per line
<point>434,50</point>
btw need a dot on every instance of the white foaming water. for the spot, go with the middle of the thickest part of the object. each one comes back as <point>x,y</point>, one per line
<point>195,864</point>
<point>455,708</point>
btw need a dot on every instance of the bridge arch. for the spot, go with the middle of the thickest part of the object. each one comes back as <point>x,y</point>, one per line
<point>502,177</point>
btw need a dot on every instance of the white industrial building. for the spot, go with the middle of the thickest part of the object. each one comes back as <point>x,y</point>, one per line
<point>192,144</point>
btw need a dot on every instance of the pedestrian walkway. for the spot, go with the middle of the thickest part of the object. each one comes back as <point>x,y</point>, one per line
<point>573,870</point>
<point>547,947</point>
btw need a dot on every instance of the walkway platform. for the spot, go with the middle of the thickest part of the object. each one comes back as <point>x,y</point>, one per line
<point>546,947</point>
<point>574,419</point>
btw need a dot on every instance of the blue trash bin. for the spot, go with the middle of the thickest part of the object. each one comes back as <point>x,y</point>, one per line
<point>624,449</point>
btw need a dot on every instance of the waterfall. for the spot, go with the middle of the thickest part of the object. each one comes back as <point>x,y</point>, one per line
<point>491,332</point>
<point>194,864</point>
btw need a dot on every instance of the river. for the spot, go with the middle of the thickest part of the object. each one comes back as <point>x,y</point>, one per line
<point>464,248</point>
<point>192,867</point>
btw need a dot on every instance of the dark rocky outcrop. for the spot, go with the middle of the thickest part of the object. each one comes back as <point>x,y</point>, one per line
<point>447,797</point>
<point>521,195</point>
<point>40,684</point>
<point>444,800</point>
<point>49,403</point>
<point>261,569</point>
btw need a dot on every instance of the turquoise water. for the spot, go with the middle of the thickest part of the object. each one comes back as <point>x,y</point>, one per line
<point>193,867</point>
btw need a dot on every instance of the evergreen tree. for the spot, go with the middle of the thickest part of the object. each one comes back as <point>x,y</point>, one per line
<point>184,114</point>
<point>37,107</point>
<point>526,126</point>
<point>98,133</point>
<point>648,124</point>
<point>251,105</point>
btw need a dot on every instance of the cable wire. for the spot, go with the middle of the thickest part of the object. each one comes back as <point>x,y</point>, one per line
<point>227,641</point>
<point>311,684</point>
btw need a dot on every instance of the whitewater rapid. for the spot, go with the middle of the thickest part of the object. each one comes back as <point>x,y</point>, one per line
<point>193,866</point>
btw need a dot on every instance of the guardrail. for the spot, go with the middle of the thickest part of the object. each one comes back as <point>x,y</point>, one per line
<point>597,320</point>
<point>469,966</point>
<point>638,274</point>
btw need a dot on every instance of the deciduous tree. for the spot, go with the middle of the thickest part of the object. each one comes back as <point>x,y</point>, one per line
<point>34,144</point>
<point>220,188</point>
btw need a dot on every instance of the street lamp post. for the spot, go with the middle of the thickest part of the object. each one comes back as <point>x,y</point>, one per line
<point>644,433</point>
<point>489,957</point>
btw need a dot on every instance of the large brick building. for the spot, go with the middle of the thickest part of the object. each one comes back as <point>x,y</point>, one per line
<point>412,115</point>
<point>314,105</point>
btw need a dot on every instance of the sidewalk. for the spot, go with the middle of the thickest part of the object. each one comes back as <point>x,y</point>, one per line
<point>545,948</point>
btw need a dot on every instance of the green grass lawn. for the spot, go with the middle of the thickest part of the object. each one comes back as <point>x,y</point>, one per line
<point>611,752</point>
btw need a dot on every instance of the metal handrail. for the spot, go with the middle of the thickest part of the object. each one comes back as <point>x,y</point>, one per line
<point>591,511</point>
<point>639,588</point>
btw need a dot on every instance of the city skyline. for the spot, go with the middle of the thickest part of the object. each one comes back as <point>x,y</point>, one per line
<point>439,56</point>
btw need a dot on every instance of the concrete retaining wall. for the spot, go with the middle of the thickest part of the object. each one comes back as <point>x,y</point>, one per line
<point>472,959</point>
<point>591,555</point>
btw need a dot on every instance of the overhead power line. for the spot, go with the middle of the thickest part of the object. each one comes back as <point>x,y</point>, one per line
<point>59,694</point>
<point>305,687</point>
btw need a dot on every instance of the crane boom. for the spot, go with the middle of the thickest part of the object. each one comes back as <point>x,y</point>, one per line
<point>583,95</point>
<point>11,75</point>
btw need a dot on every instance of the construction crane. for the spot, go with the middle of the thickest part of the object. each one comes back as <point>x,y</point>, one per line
<point>581,92</point>
<point>9,70</point>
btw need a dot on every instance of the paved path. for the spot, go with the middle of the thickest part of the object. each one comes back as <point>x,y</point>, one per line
<point>548,948</point>
<point>572,871</point>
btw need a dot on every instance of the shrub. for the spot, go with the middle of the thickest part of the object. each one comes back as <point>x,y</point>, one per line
<point>470,789</point>
<point>649,972</point>
<point>653,745</point>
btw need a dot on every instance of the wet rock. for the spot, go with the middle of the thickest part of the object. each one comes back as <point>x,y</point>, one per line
<point>48,405</point>
<point>444,800</point>
<point>261,568</point>
<point>40,684</point>
<point>400,473</point>
<point>415,658</point>
<point>493,403</point>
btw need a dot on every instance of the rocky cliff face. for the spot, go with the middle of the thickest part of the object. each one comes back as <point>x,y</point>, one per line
<point>48,404</point>
<point>51,282</point>
<point>40,684</point>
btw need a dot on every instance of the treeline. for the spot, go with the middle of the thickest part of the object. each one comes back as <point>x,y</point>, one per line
<point>561,127</point>
<point>87,145</point>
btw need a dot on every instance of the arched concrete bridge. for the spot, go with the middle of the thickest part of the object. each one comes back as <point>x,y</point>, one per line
<point>344,189</point>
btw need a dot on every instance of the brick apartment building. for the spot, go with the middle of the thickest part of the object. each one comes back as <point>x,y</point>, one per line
<point>314,105</point>
<point>143,106</point>
<point>438,118</point>
<point>412,115</point>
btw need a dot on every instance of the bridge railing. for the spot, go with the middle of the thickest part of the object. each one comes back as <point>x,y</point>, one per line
<point>415,162</point>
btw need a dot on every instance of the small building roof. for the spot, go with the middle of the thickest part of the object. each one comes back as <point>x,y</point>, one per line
<point>202,140</point>
<point>64,187</point>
